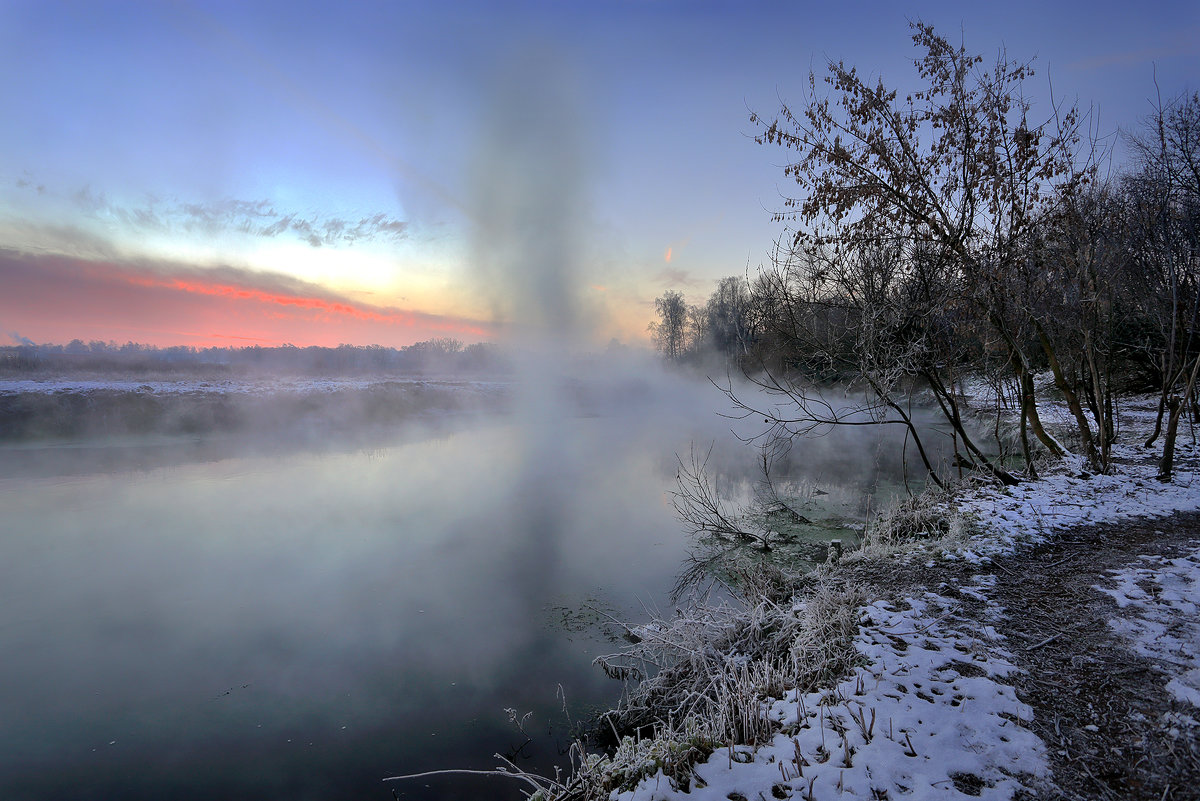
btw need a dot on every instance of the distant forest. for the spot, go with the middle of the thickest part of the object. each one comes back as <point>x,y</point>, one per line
<point>438,355</point>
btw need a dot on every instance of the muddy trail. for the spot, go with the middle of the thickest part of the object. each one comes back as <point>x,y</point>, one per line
<point>1111,728</point>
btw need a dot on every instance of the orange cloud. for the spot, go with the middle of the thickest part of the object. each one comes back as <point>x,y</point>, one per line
<point>56,299</point>
<point>667,256</point>
<point>391,317</point>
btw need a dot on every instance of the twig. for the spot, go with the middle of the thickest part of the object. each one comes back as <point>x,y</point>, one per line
<point>463,771</point>
<point>1046,641</point>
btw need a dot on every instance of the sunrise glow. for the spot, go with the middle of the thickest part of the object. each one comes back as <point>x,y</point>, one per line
<point>193,172</point>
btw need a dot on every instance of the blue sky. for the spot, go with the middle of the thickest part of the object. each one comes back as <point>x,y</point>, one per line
<point>340,146</point>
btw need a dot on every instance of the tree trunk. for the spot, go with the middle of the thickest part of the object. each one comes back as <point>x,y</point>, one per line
<point>888,401</point>
<point>1177,405</point>
<point>1072,398</point>
<point>950,411</point>
<point>912,429</point>
<point>1020,365</point>
<point>1029,466</point>
<point>1158,420</point>
<point>1166,465</point>
<point>1029,406</point>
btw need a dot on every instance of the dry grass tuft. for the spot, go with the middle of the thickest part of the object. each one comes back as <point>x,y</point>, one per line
<point>925,519</point>
<point>708,673</point>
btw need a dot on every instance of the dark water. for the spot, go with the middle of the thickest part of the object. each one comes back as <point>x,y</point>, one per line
<point>184,618</point>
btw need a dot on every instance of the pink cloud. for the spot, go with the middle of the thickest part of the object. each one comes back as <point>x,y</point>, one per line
<point>57,298</point>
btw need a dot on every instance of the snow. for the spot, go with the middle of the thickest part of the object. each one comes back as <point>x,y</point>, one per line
<point>300,385</point>
<point>1031,512</point>
<point>928,711</point>
<point>1160,599</point>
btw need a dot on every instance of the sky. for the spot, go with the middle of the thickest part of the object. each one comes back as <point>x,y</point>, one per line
<point>181,172</point>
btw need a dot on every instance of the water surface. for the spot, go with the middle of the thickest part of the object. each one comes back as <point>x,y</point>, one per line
<point>192,618</point>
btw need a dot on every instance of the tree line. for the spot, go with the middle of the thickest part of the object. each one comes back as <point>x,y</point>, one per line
<point>436,354</point>
<point>726,324</point>
<point>948,236</point>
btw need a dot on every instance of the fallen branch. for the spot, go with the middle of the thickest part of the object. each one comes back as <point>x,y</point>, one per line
<point>1046,641</point>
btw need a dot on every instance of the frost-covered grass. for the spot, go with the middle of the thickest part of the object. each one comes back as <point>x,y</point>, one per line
<point>823,696</point>
<point>927,715</point>
<point>929,519</point>
<point>718,663</point>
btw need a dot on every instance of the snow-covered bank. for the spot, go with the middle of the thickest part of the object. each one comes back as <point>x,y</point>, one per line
<point>931,712</point>
<point>1030,512</point>
<point>928,715</point>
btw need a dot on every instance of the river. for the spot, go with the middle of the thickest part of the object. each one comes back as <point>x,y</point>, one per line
<point>203,617</point>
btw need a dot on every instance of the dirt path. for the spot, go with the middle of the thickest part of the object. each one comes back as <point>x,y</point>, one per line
<point>1111,728</point>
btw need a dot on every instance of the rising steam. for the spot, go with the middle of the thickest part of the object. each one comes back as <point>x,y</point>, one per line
<point>528,201</point>
<point>527,212</point>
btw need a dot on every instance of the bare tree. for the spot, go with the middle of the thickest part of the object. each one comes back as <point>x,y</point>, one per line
<point>1164,208</point>
<point>956,181</point>
<point>839,323</point>
<point>698,331</point>
<point>670,330</point>
<point>700,506</point>
<point>1076,285</point>
<point>730,321</point>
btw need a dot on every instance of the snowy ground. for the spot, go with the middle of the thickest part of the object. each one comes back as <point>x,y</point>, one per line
<point>298,385</point>
<point>1030,513</point>
<point>930,714</point>
<point>1162,618</point>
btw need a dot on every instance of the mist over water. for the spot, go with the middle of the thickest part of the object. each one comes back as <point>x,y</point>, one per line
<point>201,629</point>
<point>301,624</point>
<point>205,625</point>
<point>529,198</point>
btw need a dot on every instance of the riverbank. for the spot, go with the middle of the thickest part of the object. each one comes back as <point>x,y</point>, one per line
<point>1044,644</point>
